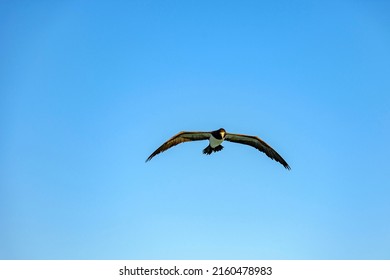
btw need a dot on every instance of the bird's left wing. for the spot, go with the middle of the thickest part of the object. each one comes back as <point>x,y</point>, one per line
<point>257,143</point>
<point>181,137</point>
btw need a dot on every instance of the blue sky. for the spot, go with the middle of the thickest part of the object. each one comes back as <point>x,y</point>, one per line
<point>90,88</point>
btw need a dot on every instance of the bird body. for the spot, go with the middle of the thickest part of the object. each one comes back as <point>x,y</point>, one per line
<point>216,138</point>
<point>214,142</point>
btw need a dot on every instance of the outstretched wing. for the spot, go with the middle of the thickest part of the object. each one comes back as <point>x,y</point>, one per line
<point>257,143</point>
<point>181,137</point>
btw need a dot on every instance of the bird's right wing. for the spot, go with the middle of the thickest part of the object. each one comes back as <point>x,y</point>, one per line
<point>257,143</point>
<point>181,137</point>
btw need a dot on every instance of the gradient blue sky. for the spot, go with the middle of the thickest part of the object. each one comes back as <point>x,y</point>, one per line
<point>90,88</point>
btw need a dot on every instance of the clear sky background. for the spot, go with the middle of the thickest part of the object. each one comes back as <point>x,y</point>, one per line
<point>90,88</point>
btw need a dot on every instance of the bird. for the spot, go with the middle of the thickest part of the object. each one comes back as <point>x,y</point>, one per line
<point>216,138</point>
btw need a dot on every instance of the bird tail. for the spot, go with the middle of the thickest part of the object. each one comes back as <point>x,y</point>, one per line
<point>218,148</point>
<point>208,150</point>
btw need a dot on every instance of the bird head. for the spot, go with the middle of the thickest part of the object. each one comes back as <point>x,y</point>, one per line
<point>222,132</point>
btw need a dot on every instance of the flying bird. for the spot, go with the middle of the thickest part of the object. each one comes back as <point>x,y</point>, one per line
<point>215,140</point>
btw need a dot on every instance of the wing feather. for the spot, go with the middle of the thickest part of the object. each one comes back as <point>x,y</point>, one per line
<point>257,143</point>
<point>181,137</point>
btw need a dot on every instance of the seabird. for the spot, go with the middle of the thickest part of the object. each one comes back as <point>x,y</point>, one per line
<point>215,139</point>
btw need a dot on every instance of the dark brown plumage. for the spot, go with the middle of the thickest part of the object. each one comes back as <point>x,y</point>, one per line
<point>181,137</point>
<point>216,138</point>
<point>257,143</point>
